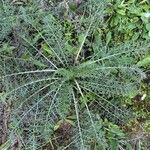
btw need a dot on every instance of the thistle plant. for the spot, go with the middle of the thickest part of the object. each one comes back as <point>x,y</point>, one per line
<point>55,85</point>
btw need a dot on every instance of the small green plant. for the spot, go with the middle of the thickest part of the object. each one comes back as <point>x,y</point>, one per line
<point>62,68</point>
<point>127,19</point>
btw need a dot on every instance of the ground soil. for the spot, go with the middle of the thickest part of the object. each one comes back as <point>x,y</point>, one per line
<point>4,119</point>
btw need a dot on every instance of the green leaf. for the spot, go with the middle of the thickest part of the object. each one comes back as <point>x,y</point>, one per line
<point>139,145</point>
<point>117,131</point>
<point>145,62</point>
<point>73,6</point>
<point>18,3</point>
<point>46,48</point>
<point>121,12</point>
<point>56,127</point>
<point>58,124</point>
<point>144,19</point>
<point>132,94</point>
<point>108,37</point>
<point>81,38</point>
<point>128,146</point>
<point>70,49</point>
<point>148,26</point>
<point>38,63</point>
<point>70,122</point>
<point>7,48</point>
<point>73,117</point>
<point>26,56</point>
<point>113,145</point>
<point>146,7</point>
<point>4,146</point>
<point>36,38</point>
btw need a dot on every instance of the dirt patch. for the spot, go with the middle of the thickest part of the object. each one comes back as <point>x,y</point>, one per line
<point>61,137</point>
<point>4,119</point>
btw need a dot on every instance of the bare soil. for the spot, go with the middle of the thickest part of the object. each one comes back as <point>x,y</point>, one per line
<point>4,119</point>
